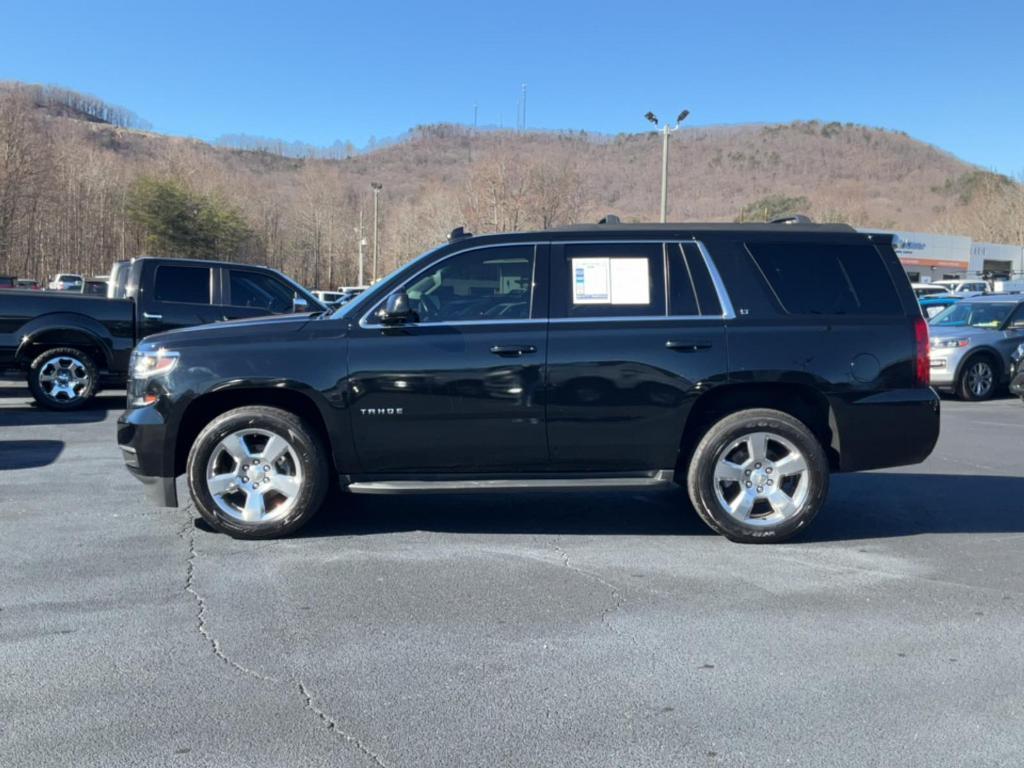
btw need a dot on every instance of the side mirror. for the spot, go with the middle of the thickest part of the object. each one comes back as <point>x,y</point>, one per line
<point>299,304</point>
<point>396,309</point>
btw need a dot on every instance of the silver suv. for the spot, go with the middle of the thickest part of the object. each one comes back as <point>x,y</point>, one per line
<point>971,344</point>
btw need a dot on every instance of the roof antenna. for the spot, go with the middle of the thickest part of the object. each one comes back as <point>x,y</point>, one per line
<point>796,218</point>
<point>459,233</point>
<point>611,218</point>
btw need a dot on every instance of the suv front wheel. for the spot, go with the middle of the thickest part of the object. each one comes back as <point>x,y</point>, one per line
<point>758,476</point>
<point>257,472</point>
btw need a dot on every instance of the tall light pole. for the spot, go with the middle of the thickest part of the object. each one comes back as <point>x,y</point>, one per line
<point>376,186</point>
<point>666,129</point>
<point>362,244</point>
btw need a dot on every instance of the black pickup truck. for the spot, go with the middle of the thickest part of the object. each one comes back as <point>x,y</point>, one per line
<point>72,344</point>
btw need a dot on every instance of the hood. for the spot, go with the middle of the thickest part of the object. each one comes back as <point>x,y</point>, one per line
<point>256,328</point>
<point>959,331</point>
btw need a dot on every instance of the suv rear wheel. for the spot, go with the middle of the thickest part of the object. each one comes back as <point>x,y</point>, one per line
<point>758,476</point>
<point>257,473</point>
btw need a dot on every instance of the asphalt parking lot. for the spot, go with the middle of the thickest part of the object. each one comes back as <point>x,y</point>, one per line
<point>604,629</point>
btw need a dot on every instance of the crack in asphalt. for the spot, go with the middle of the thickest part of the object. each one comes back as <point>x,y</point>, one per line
<point>188,533</point>
<point>618,600</point>
<point>334,726</point>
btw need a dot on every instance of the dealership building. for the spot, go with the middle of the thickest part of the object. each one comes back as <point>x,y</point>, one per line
<point>927,256</point>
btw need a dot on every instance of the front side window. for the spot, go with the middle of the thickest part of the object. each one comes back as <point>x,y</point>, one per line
<point>826,279</point>
<point>483,284</point>
<point>1017,320</point>
<point>260,291</point>
<point>187,285</point>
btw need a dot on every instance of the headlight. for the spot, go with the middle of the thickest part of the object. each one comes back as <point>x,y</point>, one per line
<point>153,363</point>
<point>949,343</point>
<point>1018,354</point>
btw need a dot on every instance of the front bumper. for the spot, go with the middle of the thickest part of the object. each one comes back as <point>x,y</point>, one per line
<point>142,436</point>
<point>1017,383</point>
<point>944,365</point>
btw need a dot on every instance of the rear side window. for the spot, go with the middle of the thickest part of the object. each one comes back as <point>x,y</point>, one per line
<point>614,280</point>
<point>826,279</point>
<point>691,291</point>
<point>188,285</point>
<point>260,291</point>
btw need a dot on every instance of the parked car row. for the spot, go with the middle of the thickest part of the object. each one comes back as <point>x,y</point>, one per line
<point>335,299</point>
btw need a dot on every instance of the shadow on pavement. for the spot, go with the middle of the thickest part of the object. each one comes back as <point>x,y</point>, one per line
<point>860,506</point>
<point>29,454</point>
<point>881,505</point>
<point>613,513</point>
<point>28,414</point>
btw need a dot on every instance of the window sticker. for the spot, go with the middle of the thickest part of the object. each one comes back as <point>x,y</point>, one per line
<point>631,281</point>
<point>603,280</point>
<point>591,281</point>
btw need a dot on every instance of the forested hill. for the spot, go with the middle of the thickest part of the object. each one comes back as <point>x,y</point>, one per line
<point>82,185</point>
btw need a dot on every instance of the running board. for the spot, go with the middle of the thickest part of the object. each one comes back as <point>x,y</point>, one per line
<point>659,479</point>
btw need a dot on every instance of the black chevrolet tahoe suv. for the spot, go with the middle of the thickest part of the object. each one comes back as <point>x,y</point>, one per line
<point>69,345</point>
<point>743,362</point>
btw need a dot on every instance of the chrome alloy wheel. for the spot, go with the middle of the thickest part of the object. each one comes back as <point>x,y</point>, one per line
<point>980,378</point>
<point>761,479</point>
<point>254,476</point>
<point>64,378</point>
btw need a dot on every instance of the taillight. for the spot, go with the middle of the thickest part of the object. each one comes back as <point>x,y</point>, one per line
<point>922,365</point>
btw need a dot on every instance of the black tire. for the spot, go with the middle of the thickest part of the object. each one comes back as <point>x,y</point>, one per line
<point>972,376</point>
<point>61,395</point>
<point>307,460</point>
<point>725,440</point>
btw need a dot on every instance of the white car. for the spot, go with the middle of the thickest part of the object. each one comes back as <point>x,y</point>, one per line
<point>963,287</point>
<point>922,290</point>
<point>328,297</point>
<point>66,282</point>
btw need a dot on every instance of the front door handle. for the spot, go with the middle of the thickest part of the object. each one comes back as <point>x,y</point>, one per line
<point>513,350</point>
<point>147,316</point>
<point>687,346</point>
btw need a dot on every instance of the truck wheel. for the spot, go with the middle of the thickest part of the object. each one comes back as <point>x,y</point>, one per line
<point>257,472</point>
<point>977,379</point>
<point>758,476</point>
<point>62,379</point>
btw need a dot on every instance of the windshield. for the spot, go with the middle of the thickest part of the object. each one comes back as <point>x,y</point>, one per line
<point>974,314</point>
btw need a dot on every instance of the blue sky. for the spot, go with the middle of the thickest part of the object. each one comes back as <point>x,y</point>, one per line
<point>949,73</point>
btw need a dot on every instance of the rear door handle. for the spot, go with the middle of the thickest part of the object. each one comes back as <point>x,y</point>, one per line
<point>688,346</point>
<point>147,316</point>
<point>513,350</point>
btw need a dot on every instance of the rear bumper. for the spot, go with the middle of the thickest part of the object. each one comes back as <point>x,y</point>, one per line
<point>888,429</point>
<point>142,436</point>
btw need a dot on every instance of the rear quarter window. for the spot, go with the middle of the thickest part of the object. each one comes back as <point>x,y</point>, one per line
<point>186,285</point>
<point>826,278</point>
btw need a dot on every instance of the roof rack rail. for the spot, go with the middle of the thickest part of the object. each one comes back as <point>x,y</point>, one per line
<point>796,218</point>
<point>611,218</point>
<point>459,233</point>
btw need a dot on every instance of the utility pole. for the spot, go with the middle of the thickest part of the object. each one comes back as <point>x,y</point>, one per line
<point>524,107</point>
<point>362,243</point>
<point>376,186</point>
<point>665,131</point>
